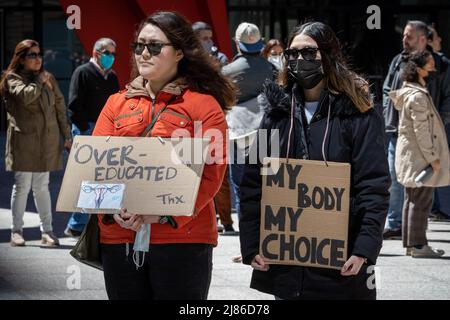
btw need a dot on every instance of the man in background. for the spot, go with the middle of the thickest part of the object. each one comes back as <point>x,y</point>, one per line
<point>91,85</point>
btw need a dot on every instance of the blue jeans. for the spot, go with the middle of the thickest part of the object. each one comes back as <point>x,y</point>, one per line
<point>441,201</point>
<point>78,220</point>
<point>236,173</point>
<point>442,195</point>
<point>394,217</point>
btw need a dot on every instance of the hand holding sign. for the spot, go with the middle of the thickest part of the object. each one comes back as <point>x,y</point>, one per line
<point>352,266</point>
<point>129,220</point>
<point>259,264</point>
<point>151,219</point>
<point>134,221</point>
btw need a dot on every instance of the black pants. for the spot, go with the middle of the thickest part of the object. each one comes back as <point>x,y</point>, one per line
<point>170,272</point>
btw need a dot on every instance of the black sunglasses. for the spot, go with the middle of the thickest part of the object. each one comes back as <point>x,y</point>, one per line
<point>34,55</point>
<point>154,48</point>
<point>307,53</point>
<point>107,52</point>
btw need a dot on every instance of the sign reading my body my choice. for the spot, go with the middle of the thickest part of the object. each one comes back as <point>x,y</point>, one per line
<point>304,213</point>
<point>158,181</point>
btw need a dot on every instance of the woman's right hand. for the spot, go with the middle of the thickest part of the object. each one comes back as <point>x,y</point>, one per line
<point>436,165</point>
<point>44,77</point>
<point>259,264</point>
<point>128,220</point>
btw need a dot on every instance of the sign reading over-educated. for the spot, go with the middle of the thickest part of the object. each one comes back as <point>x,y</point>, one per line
<point>305,212</point>
<point>158,180</point>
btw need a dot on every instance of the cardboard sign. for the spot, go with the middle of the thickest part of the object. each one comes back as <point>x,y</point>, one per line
<point>161,176</point>
<point>304,213</point>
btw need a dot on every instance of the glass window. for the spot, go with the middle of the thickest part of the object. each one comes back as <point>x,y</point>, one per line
<point>16,3</point>
<point>63,51</point>
<point>18,26</point>
<point>2,39</point>
<point>249,2</point>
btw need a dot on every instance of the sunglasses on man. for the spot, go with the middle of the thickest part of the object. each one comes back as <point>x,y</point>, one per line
<point>107,52</point>
<point>34,55</point>
<point>307,53</point>
<point>154,48</point>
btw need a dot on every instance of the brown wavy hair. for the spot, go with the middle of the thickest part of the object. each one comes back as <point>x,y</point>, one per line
<point>200,71</point>
<point>15,65</point>
<point>339,78</point>
<point>417,59</point>
<point>270,44</point>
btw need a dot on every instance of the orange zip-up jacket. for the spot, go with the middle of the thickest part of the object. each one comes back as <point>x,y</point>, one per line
<point>128,113</point>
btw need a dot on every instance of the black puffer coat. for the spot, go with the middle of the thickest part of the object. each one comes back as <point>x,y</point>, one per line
<point>353,137</point>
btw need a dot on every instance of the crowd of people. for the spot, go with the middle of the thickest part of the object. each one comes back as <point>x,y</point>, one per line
<point>416,105</point>
<point>304,89</point>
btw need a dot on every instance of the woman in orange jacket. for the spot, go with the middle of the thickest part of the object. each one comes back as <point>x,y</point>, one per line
<point>175,85</point>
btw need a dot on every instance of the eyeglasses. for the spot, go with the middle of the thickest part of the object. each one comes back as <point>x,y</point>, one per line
<point>154,48</point>
<point>107,52</point>
<point>307,53</point>
<point>34,55</point>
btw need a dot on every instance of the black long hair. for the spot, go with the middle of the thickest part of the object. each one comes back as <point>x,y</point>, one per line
<point>339,78</point>
<point>201,72</point>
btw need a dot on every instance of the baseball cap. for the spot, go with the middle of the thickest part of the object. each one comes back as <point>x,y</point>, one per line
<point>249,37</point>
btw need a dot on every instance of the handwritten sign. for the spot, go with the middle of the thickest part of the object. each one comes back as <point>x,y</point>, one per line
<point>304,213</point>
<point>158,179</point>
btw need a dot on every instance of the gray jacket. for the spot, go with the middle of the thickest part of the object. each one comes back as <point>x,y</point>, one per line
<point>249,73</point>
<point>246,117</point>
<point>439,89</point>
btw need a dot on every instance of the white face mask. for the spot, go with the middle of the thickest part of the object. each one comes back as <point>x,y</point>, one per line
<point>277,61</point>
<point>208,45</point>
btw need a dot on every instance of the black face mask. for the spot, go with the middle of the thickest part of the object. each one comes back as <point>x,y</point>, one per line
<point>430,77</point>
<point>306,73</point>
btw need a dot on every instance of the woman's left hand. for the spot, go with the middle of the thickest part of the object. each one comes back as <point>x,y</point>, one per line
<point>150,219</point>
<point>68,145</point>
<point>128,220</point>
<point>352,266</point>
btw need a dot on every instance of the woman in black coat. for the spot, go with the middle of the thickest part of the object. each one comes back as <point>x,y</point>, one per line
<point>323,111</point>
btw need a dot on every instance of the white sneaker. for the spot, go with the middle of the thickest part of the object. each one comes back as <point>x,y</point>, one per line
<point>409,251</point>
<point>49,239</point>
<point>427,252</point>
<point>17,239</point>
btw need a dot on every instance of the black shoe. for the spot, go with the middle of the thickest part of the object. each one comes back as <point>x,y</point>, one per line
<point>228,230</point>
<point>219,228</point>
<point>439,216</point>
<point>72,233</point>
<point>392,234</point>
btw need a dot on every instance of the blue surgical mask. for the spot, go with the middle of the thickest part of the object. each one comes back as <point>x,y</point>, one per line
<point>141,244</point>
<point>107,61</point>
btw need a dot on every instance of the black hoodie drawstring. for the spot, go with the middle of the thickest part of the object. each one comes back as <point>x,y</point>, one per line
<point>326,132</point>
<point>292,122</point>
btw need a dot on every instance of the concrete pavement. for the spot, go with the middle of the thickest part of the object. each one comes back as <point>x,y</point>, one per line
<point>35,272</point>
